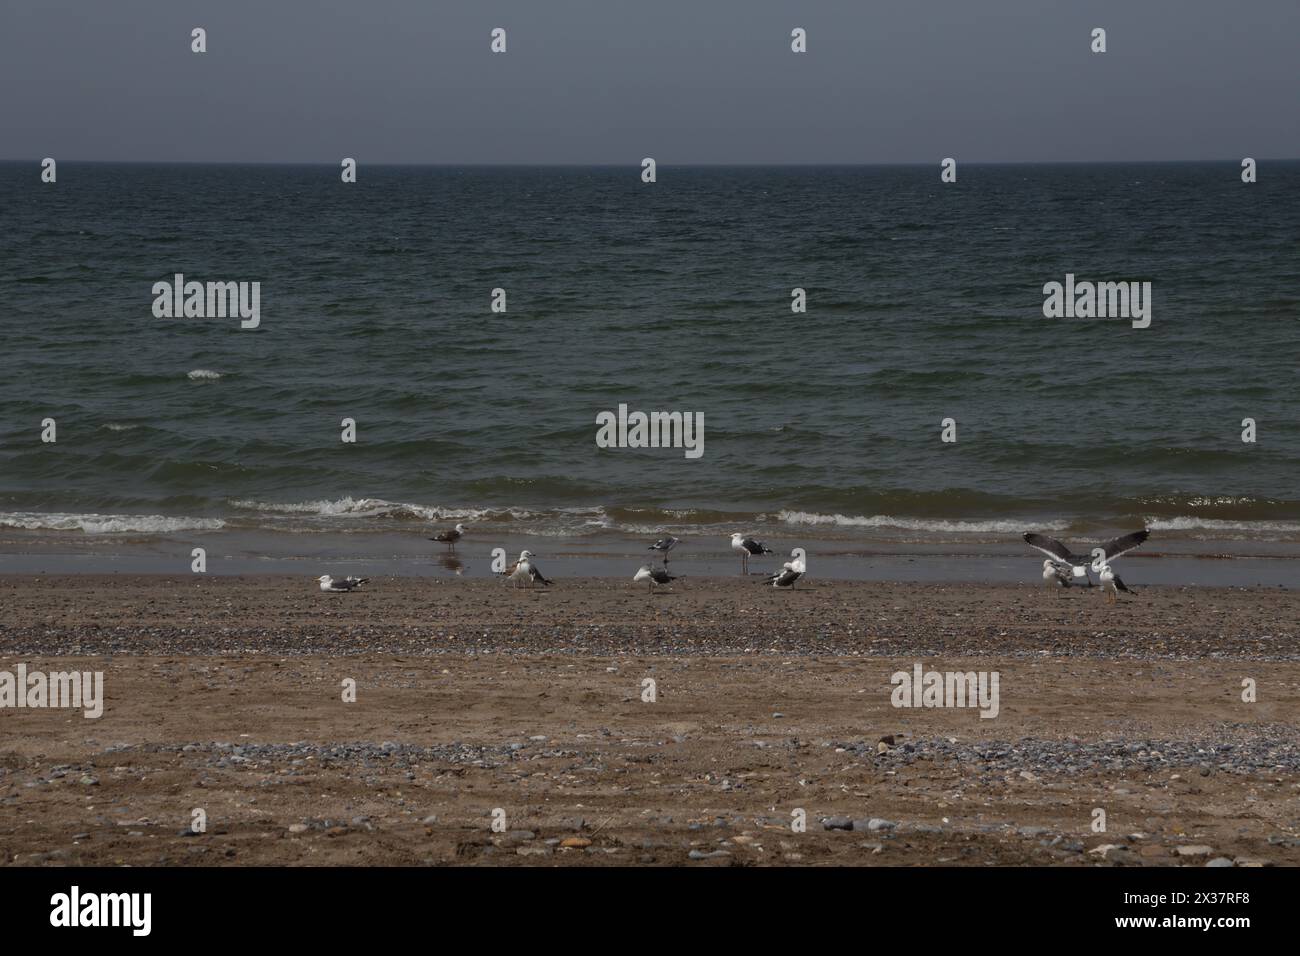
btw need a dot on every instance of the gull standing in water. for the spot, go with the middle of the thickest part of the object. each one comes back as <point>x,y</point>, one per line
<point>791,571</point>
<point>663,546</point>
<point>654,576</point>
<point>450,537</point>
<point>349,583</point>
<point>746,547</point>
<point>524,571</point>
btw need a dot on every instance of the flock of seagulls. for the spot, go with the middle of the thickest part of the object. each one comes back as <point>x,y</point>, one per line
<point>1062,567</point>
<point>785,579</point>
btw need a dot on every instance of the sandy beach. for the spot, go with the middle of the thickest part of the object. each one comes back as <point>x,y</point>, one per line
<point>472,698</point>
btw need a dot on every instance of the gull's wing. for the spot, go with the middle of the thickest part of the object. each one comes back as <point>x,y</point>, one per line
<point>1127,543</point>
<point>1050,547</point>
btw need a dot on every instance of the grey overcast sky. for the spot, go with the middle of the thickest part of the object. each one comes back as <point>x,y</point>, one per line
<point>685,81</point>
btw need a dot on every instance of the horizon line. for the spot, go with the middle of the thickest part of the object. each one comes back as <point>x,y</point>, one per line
<point>636,164</point>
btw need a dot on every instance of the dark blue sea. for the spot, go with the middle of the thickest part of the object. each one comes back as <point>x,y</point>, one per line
<point>924,302</point>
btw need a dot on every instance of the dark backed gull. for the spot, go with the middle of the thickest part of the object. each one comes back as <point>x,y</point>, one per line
<point>663,546</point>
<point>524,571</point>
<point>1111,583</point>
<point>746,547</point>
<point>450,537</point>
<point>1078,563</point>
<point>1062,573</point>
<point>349,583</point>
<point>791,571</point>
<point>654,576</point>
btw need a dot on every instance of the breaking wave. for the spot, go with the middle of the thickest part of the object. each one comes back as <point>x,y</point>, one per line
<point>938,526</point>
<point>106,524</point>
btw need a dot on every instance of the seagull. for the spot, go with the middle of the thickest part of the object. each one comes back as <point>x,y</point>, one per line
<point>791,571</point>
<point>664,545</point>
<point>450,537</point>
<point>654,576</point>
<point>328,583</point>
<point>1061,573</point>
<point>1111,580</point>
<point>1078,563</point>
<point>746,547</point>
<point>525,570</point>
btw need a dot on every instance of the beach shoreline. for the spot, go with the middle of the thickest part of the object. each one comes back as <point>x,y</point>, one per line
<point>227,694</point>
<point>1167,559</point>
<point>207,614</point>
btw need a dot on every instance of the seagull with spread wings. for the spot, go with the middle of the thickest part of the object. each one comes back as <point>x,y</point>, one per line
<point>1063,565</point>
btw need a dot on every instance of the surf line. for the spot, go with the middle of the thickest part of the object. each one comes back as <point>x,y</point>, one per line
<point>626,429</point>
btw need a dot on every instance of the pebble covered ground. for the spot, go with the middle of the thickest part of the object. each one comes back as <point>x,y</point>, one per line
<point>476,703</point>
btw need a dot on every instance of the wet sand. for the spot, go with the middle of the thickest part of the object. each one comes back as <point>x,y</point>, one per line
<point>225,694</point>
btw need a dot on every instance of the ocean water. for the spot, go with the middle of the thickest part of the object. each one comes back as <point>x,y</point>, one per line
<point>924,303</point>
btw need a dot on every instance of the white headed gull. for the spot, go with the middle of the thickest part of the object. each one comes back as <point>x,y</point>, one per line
<point>1111,583</point>
<point>654,576</point>
<point>746,547</point>
<point>328,583</point>
<point>450,537</point>
<point>1078,563</point>
<point>791,571</point>
<point>524,571</point>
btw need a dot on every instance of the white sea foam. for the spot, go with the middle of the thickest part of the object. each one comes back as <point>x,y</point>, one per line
<point>204,375</point>
<point>106,524</point>
<point>349,507</point>
<point>1217,524</point>
<point>116,427</point>
<point>938,526</point>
